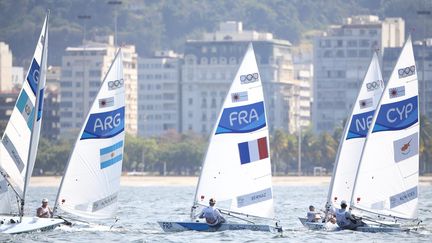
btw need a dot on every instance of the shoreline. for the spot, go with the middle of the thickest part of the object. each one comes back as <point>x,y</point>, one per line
<point>144,181</point>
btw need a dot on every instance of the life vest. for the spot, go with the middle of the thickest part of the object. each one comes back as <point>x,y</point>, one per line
<point>209,215</point>
<point>341,218</point>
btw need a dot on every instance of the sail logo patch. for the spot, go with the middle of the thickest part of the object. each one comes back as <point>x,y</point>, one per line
<point>239,96</point>
<point>115,84</point>
<point>249,78</point>
<point>242,119</point>
<point>360,124</point>
<point>13,153</point>
<point>407,71</point>
<point>374,85</point>
<point>397,92</point>
<point>366,103</point>
<point>105,124</point>
<point>111,154</point>
<point>406,147</point>
<point>397,115</point>
<point>403,197</point>
<point>104,202</point>
<point>33,76</point>
<point>253,150</point>
<point>25,106</point>
<point>106,102</point>
<point>255,197</point>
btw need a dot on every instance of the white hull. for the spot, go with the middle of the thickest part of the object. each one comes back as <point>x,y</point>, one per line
<point>171,226</point>
<point>318,225</point>
<point>28,224</point>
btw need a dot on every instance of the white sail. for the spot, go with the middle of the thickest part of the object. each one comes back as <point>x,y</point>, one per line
<point>354,136</point>
<point>91,182</point>
<point>387,178</point>
<point>21,137</point>
<point>236,170</point>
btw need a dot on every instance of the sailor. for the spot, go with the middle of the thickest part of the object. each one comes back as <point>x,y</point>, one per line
<point>44,211</point>
<point>345,219</point>
<point>313,216</point>
<point>211,214</point>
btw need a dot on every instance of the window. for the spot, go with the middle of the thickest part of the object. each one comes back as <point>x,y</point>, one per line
<point>67,73</point>
<point>65,84</point>
<point>190,101</point>
<point>79,74</point>
<point>94,73</point>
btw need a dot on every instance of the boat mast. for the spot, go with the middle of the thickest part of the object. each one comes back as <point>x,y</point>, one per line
<point>35,115</point>
<point>79,135</point>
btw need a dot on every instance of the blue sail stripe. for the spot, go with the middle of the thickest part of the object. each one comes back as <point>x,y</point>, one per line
<point>111,148</point>
<point>111,161</point>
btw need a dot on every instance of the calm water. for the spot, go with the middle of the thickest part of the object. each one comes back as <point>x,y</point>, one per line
<point>143,206</point>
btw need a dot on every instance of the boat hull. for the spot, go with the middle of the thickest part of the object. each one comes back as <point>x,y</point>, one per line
<point>28,224</point>
<point>370,227</point>
<point>173,226</point>
<point>318,225</point>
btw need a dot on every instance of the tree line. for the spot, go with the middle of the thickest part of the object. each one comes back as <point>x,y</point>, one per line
<point>182,154</point>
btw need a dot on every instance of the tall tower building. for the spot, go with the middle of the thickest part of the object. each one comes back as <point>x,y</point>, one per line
<point>158,93</point>
<point>5,67</point>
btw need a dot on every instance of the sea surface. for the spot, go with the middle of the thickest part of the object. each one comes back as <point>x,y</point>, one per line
<point>142,207</point>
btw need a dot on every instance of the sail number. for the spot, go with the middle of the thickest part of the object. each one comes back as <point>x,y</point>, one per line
<point>167,225</point>
<point>399,113</point>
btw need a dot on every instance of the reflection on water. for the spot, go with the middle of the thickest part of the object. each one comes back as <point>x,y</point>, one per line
<point>142,207</point>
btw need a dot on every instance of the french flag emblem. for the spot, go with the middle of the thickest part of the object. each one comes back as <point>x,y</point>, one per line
<point>253,150</point>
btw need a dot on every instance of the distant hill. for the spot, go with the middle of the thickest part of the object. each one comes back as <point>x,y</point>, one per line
<point>154,24</point>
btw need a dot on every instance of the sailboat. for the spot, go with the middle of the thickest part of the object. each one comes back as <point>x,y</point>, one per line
<point>385,190</point>
<point>91,182</point>
<point>19,144</point>
<point>236,170</point>
<point>352,142</point>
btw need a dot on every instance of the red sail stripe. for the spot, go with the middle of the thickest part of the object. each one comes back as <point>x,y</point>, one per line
<point>262,148</point>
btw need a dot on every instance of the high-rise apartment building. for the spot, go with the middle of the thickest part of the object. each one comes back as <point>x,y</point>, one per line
<point>210,64</point>
<point>83,69</point>
<point>158,93</point>
<point>341,57</point>
<point>5,67</point>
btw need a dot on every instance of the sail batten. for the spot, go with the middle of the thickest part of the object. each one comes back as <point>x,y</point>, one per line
<point>387,177</point>
<point>91,182</point>
<point>236,170</point>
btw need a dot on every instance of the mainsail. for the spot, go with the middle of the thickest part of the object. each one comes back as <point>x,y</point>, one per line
<point>236,170</point>
<point>354,135</point>
<point>387,177</point>
<point>21,137</point>
<point>91,183</point>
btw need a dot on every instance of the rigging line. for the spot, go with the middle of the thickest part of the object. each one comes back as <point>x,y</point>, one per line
<point>237,217</point>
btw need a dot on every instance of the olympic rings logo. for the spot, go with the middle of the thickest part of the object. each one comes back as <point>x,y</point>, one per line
<point>249,78</point>
<point>406,72</point>
<point>374,85</point>
<point>115,84</point>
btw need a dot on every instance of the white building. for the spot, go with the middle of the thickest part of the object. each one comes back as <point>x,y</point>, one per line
<point>5,67</point>
<point>17,76</point>
<point>158,93</point>
<point>341,57</point>
<point>211,63</point>
<point>83,69</point>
